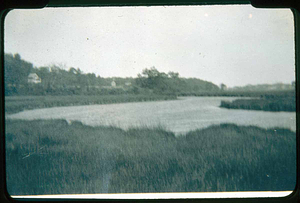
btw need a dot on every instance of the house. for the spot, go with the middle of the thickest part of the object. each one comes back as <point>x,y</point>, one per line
<point>113,84</point>
<point>34,78</point>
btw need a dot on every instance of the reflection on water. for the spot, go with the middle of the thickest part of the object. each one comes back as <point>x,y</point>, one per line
<point>179,116</point>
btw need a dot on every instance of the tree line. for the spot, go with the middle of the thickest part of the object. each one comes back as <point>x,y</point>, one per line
<point>56,80</point>
<point>160,82</point>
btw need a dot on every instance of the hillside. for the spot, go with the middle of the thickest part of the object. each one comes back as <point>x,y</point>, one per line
<point>21,78</point>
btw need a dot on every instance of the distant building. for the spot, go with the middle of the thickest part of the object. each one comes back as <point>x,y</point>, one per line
<point>128,83</point>
<point>34,78</point>
<point>113,84</point>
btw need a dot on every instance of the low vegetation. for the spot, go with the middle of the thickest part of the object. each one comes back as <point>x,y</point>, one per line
<point>14,104</point>
<point>275,100</point>
<point>55,157</point>
<point>255,94</point>
<point>284,101</point>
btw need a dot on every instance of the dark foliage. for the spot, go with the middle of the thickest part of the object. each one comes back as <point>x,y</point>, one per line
<point>171,83</point>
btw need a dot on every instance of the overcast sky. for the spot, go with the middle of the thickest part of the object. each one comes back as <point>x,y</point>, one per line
<point>235,45</point>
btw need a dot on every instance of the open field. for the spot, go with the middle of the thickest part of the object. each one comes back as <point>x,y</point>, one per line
<point>14,104</point>
<point>54,157</point>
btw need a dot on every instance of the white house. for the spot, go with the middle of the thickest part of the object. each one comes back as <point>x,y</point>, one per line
<point>113,84</point>
<point>34,78</point>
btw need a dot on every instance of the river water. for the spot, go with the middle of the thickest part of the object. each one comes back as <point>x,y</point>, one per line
<point>178,116</point>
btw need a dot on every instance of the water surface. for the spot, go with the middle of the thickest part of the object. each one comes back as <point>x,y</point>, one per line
<point>179,116</point>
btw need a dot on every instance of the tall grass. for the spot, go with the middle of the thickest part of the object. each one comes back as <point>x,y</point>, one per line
<point>54,157</point>
<point>273,104</point>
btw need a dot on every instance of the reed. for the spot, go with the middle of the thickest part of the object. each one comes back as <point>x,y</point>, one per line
<point>57,157</point>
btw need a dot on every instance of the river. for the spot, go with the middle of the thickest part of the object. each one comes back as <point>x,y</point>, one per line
<point>178,116</point>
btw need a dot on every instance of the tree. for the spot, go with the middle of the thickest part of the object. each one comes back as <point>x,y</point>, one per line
<point>17,56</point>
<point>158,82</point>
<point>16,71</point>
<point>151,72</point>
<point>91,79</point>
<point>72,70</point>
<point>223,86</point>
<point>173,75</point>
<point>148,78</point>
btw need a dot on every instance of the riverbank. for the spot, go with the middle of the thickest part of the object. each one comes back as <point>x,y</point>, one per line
<point>264,104</point>
<point>254,94</point>
<point>15,104</point>
<point>54,157</point>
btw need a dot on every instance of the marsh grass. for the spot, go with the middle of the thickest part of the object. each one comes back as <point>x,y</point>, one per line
<point>57,157</point>
<point>267,102</point>
<point>14,104</point>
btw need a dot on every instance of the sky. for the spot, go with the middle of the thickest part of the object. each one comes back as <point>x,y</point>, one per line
<point>235,45</point>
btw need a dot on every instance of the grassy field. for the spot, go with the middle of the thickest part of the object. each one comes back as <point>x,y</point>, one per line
<point>14,104</point>
<point>54,157</point>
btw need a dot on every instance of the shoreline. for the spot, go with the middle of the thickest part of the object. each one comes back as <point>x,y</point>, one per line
<point>17,104</point>
<point>267,105</point>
